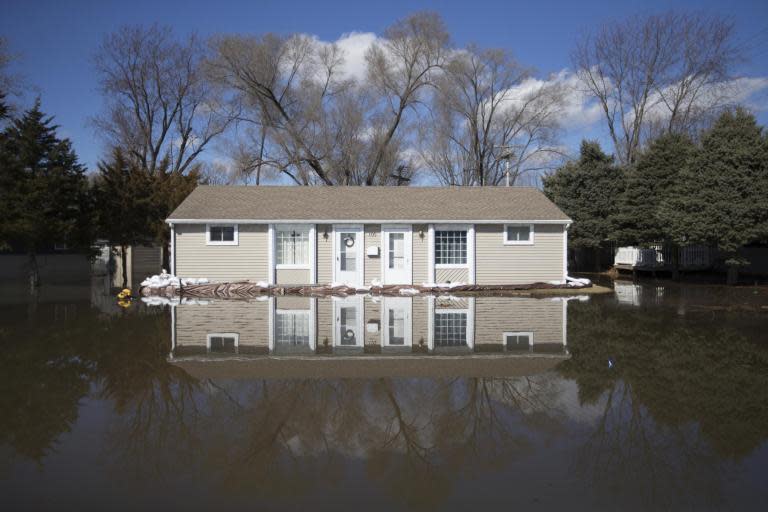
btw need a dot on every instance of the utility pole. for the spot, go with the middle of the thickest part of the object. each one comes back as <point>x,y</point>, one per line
<point>506,156</point>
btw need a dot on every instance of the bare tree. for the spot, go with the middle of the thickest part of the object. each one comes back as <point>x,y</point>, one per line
<point>488,113</point>
<point>656,73</point>
<point>158,104</point>
<point>316,125</point>
<point>413,50</point>
<point>9,82</point>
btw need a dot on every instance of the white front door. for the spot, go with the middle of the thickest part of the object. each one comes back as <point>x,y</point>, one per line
<point>396,248</point>
<point>348,255</point>
<point>348,321</point>
<point>396,321</point>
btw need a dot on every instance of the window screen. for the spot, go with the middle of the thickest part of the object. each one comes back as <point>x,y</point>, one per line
<point>518,233</point>
<point>292,328</point>
<point>292,246</point>
<point>222,233</point>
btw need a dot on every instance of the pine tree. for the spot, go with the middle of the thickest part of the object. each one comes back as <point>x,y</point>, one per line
<point>44,196</point>
<point>639,220</point>
<point>722,199</point>
<point>133,203</point>
<point>587,191</point>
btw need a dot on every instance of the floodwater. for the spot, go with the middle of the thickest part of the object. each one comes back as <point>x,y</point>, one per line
<point>654,397</point>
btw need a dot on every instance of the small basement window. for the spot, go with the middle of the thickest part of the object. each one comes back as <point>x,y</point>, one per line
<point>222,234</point>
<point>225,343</point>
<point>518,341</point>
<point>518,234</point>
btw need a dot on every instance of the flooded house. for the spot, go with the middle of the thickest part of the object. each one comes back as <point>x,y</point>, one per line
<point>367,235</point>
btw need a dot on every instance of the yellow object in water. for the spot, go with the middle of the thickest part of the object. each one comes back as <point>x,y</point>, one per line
<point>124,303</point>
<point>124,294</point>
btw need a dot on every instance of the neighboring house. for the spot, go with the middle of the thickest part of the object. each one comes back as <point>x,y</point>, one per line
<point>362,235</point>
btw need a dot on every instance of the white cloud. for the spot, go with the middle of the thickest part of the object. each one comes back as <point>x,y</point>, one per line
<point>354,46</point>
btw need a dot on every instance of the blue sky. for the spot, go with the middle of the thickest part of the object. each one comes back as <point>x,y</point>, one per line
<point>55,40</point>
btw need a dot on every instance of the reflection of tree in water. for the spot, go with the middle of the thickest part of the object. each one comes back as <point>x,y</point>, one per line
<point>683,399</point>
<point>152,397</point>
<point>414,437</point>
<point>42,378</point>
<point>52,359</point>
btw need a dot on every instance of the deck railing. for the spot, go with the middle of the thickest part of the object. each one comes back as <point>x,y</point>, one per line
<point>657,256</point>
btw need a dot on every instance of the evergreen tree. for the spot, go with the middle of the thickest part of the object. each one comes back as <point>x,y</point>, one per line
<point>44,196</point>
<point>3,106</point>
<point>587,191</point>
<point>639,220</point>
<point>722,199</point>
<point>133,202</point>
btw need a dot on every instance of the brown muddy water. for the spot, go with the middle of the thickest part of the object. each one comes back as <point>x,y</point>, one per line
<point>654,397</point>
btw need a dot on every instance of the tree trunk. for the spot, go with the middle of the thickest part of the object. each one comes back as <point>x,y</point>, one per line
<point>34,273</point>
<point>732,275</point>
<point>124,258</point>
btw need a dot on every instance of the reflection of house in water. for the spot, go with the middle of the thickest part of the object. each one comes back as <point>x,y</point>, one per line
<point>365,325</point>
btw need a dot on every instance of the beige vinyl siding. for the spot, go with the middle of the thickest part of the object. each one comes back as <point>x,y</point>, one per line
<point>372,313</point>
<point>496,263</point>
<point>293,302</point>
<point>250,320</point>
<point>324,254</point>
<point>247,260</point>
<point>452,275</point>
<point>420,254</point>
<point>419,314</point>
<point>496,315</point>
<point>324,321</point>
<point>293,276</point>
<point>372,264</point>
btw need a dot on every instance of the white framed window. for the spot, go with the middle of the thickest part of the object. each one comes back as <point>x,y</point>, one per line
<point>223,342</point>
<point>221,234</point>
<point>451,246</point>
<point>518,341</point>
<point>450,328</point>
<point>292,246</point>
<point>518,234</point>
<point>60,246</point>
<point>292,327</point>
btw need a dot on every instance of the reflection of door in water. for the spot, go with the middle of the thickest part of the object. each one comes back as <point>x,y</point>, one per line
<point>397,254</point>
<point>349,322</point>
<point>396,321</point>
<point>349,251</point>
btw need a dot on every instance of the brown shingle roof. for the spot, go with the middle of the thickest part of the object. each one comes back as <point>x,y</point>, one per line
<point>418,204</point>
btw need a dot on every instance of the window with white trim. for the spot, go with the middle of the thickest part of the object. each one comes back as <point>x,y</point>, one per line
<point>518,341</point>
<point>222,234</point>
<point>518,234</point>
<point>450,328</point>
<point>451,247</point>
<point>291,327</point>
<point>223,342</point>
<point>292,245</point>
